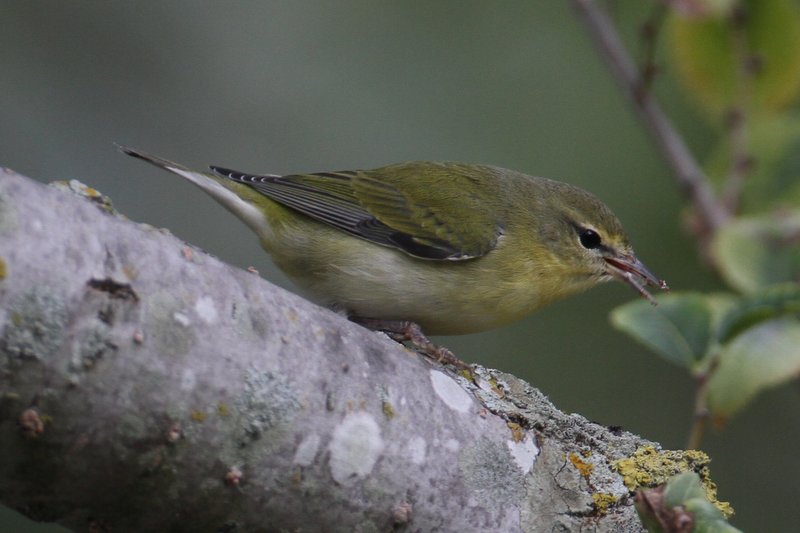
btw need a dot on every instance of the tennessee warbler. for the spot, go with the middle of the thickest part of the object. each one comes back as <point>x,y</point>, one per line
<point>452,247</point>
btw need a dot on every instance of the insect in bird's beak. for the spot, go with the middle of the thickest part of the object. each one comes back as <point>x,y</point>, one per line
<point>629,269</point>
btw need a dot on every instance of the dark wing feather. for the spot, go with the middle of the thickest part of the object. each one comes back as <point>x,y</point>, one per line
<point>370,208</point>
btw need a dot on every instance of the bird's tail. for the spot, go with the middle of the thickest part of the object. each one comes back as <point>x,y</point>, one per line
<point>235,197</point>
<point>154,160</point>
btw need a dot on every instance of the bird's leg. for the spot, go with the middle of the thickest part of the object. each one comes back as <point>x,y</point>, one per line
<point>407,331</point>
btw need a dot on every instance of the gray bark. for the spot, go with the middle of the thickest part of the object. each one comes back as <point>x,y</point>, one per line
<point>146,386</point>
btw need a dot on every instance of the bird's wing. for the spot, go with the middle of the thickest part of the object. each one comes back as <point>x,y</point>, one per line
<point>403,206</point>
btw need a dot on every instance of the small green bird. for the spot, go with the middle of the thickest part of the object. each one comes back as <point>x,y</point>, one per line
<point>454,248</point>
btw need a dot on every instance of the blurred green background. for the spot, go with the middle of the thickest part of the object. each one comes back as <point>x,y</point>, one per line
<point>295,86</point>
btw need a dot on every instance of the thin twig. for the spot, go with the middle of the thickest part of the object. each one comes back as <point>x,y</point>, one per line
<point>650,31</point>
<point>700,415</point>
<point>688,174</point>
<point>740,159</point>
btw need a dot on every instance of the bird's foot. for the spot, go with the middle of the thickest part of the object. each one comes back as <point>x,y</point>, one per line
<point>406,331</point>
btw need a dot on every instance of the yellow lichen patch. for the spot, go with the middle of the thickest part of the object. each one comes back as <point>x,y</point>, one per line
<point>2,269</point>
<point>649,467</point>
<point>495,387</point>
<point>223,409</point>
<point>725,507</point>
<point>81,189</point>
<point>467,374</point>
<point>198,416</point>
<point>517,433</point>
<point>582,466</point>
<point>603,501</point>
<point>388,410</point>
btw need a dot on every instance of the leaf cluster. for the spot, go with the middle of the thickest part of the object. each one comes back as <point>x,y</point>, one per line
<point>739,60</point>
<point>680,505</point>
<point>740,344</point>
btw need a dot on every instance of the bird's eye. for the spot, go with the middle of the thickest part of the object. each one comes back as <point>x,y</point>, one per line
<point>589,239</point>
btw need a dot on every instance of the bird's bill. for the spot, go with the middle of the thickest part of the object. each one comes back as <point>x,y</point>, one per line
<point>630,270</point>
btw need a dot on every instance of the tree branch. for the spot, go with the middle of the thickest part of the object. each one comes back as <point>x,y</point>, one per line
<point>146,386</point>
<point>741,162</point>
<point>687,171</point>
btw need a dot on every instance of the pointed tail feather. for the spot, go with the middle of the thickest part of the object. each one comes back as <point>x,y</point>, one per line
<point>215,186</point>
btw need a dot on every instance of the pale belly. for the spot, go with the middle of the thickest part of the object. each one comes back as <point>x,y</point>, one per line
<point>443,297</point>
<point>367,280</point>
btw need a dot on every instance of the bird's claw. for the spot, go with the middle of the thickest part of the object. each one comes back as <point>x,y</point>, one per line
<point>406,331</point>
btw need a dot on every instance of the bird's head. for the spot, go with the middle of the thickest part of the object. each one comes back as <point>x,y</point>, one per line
<point>591,244</point>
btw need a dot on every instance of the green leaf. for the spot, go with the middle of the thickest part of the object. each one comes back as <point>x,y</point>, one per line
<point>763,305</point>
<point>702,50</point>
<point>757,252</point>
<point>686,490</point>
<point>678,329</point>
<point>707,518</point>
<point>720,304</point>
<point>762,357</point>
<point>682,487</point>
<point>683,503</point>
<point>774,179</point>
